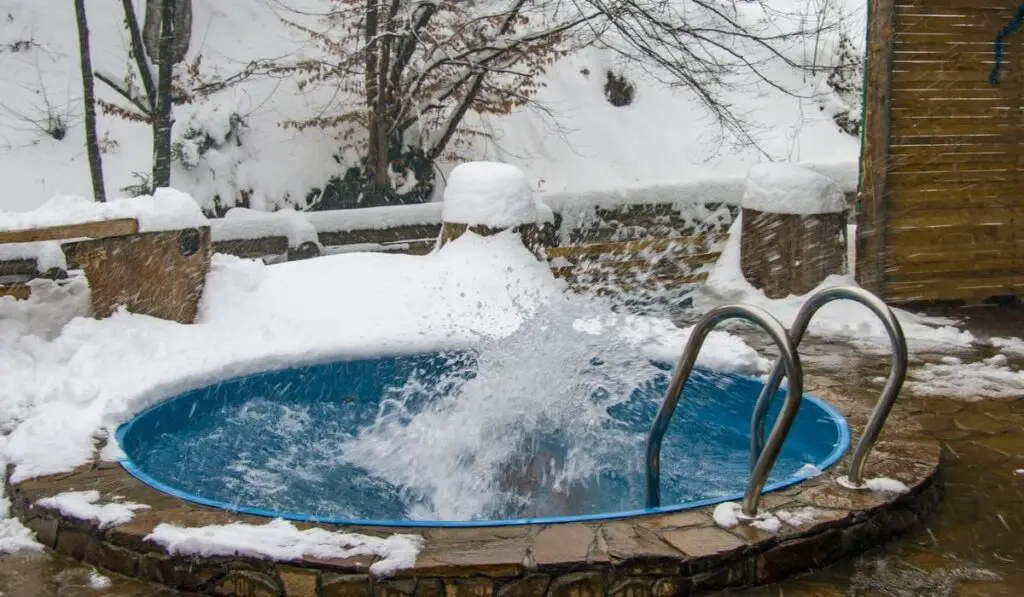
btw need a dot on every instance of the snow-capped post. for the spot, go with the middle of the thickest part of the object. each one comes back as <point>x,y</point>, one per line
<point>793,231</point>
<point>489,197</point>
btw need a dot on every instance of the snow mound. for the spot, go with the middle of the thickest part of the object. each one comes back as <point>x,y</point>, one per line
<point>46,254</point>
<point>1012,345</point>
<point>789,189</point>
<point>280,540</point>
<point>165,209</point>
<point>84,505</point>
<point>877,485</point>
<point>13,535</point>
<point>489,193</point>
<point>808,471</point>
<point>97,581</point>
<point>727,516</point>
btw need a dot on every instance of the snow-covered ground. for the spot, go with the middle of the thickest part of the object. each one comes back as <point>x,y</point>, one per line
<point>578,142</point>
<point>852,323</point>
<point>63,370</point>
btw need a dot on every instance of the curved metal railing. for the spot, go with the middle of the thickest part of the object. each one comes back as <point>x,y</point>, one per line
<point>766,459</point>
<point>892,384</point>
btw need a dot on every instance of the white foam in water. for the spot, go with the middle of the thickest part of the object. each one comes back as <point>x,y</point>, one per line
<point>535,418</point>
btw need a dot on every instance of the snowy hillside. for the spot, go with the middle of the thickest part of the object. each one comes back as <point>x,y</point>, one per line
<point>577,141</point>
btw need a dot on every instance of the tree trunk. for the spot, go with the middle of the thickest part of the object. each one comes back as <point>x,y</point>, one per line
<point>152,30</point>
<point>377,144</point>
<point>162,121</point>
<point>88,95</point>
<point>131,21</point>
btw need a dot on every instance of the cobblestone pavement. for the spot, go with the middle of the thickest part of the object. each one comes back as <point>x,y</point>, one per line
<point>972,549</point>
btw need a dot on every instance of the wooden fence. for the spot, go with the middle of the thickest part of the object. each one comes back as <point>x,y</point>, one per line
<point>942,189</point>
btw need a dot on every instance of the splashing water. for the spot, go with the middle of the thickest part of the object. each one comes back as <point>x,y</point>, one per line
<point>532,425</point>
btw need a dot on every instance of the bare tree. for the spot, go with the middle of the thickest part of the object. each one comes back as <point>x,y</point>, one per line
<point>406,72</point>
<point>154,104</point>
<point>414,69</point>
<point>89,99</point>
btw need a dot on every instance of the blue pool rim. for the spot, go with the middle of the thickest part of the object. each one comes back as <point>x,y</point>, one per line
<point>837,453</point>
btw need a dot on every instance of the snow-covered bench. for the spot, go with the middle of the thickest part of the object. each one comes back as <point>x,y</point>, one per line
<point>147,254</point>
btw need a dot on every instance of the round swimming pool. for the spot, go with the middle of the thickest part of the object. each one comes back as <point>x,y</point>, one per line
<point>431,441</point>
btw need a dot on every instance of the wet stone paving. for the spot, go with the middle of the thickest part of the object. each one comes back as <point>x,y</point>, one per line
<point>973,548</point>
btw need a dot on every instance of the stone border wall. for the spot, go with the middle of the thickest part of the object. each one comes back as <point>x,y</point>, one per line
<point>660,555</point>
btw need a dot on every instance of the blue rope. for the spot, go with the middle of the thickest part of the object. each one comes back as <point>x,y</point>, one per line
<point>1013,26</point>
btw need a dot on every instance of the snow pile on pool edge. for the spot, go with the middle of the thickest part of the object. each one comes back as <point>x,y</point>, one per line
<point>280,540</point>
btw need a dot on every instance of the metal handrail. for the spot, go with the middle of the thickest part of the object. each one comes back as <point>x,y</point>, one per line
<point>892,384</point>
<point>764,464</point>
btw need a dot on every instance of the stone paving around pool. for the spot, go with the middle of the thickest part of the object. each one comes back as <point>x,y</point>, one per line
<point>671,554</point>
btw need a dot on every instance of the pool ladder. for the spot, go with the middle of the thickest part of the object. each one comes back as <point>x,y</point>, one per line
<point>764,453</point>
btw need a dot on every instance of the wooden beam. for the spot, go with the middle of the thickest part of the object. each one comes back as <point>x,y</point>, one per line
<point>19,291</point>
<point>101,229</point>
<point>874,191</point>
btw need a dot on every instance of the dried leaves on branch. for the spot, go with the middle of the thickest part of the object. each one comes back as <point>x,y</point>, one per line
<point>402,74</point>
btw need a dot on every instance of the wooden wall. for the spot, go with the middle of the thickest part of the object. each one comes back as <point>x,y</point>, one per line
<point>942,190</point>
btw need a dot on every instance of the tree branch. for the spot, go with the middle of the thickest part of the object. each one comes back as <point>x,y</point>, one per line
<point>123,92</point>
<point>139,51</point>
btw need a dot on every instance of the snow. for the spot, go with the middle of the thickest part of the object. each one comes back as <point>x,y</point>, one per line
<point>849,322</point>
<point>98,582</point>
<point>769,524</point>
<point>84,505</point>
<point>728,514</point>
<point>13,535</point>
<point>242,223</point>
<point>573,141</point>
<point>878,485</point>
<point>989,378</point>
<point>86,376</point>
<point>489,194</point>
<point>886,485</point>
<point>799,517</point>
<point>839,320</point>
<point>808,471</point>
<point>280,540</point>
<point>165,209</point>
<point>1012,345</point>
<point>48,309</point>
<point>375,218</point>
<point>789,189</point>
<point>46,254</point>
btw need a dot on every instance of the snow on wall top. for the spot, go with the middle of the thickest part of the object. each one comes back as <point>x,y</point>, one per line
<point>241,223</point>
<point>375,218</point>
<point>165,209</point>
<point>790,189</point>
<point>489,193</point>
